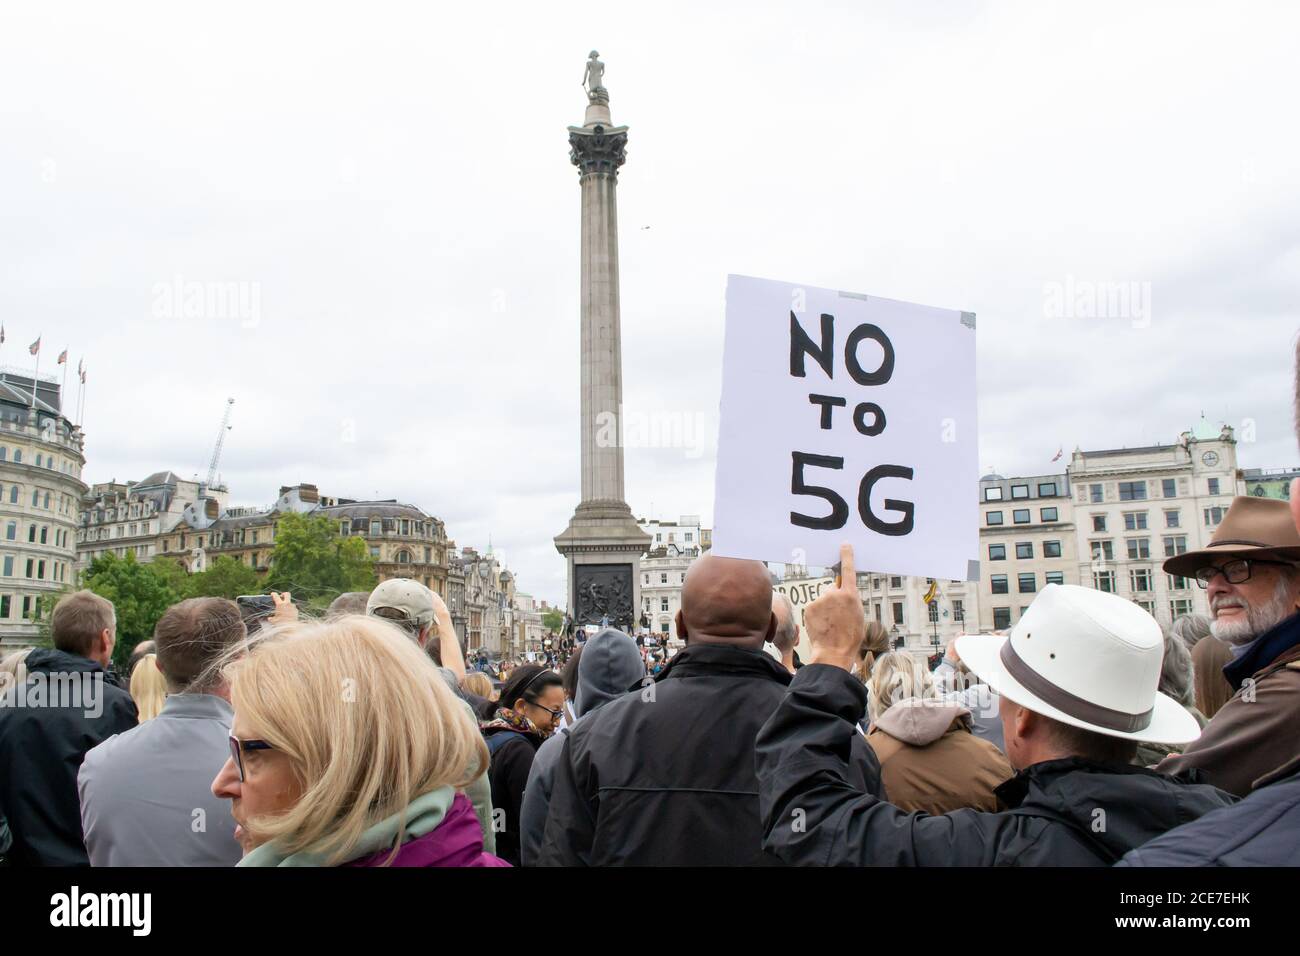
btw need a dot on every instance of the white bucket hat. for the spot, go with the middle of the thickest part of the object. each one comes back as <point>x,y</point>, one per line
<point>1088,659</point>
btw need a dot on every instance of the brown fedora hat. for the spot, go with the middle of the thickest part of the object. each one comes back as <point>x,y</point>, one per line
<point>1252,528</point>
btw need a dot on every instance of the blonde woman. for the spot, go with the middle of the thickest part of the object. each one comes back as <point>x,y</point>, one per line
<point>875,644</point>
<point>929,759</point>
<point>348,748</point>
<point>148,687</point>
<point>476,682</point>
<point>13,670</point>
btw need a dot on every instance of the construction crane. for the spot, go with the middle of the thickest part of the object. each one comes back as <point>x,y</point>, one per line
<point>221,440</point>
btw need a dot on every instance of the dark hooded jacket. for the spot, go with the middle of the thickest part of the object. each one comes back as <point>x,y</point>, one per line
<point>1068,812</point>
<point>41,749</point>
<point>665,776</point>
<point>1262,830</point>
<point>610,664</point>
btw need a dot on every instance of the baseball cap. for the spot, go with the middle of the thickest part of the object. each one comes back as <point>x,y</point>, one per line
<point>411,598</point>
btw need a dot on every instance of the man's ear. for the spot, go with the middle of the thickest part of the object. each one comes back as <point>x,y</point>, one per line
<point>681,627</point>
<point>771,628</point>
<point>157,663</point>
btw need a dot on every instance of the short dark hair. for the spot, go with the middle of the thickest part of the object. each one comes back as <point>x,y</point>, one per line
<point>193,637</point>
<point>1091,745</point>
<point>569,676</point>
<point>79,619</point>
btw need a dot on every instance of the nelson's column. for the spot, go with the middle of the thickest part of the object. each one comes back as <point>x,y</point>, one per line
<point>603,543</point>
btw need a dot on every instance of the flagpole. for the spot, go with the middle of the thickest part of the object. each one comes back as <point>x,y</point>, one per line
<point>37,372</point>
<point>81,366</point>
<point>63,392</point>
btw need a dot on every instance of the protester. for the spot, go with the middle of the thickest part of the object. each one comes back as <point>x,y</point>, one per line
<point>1250,575</point>
<point>1077,679</point>
<point>480,685</point>
<point>957,685</point>
<point>929,759</point>
<point>347,748</point>
<point>146,797</point>
<point>875,643</point>
<point>665,776</point>
<point>148,688</point>
<point>420,614</point>
<point>569,681</point>
<point>787,630</point>
<point>138,653</point>
<point>1209,657</point>
<point>1261,830</point>
<point>349,602</point>
<point>528,712</point>
<point>67,705</point>
<point>608,668</point>
<point>1175,682</point>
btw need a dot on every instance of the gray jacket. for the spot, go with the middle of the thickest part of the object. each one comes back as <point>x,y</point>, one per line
<point>146,794</point>
<point>609,666</point>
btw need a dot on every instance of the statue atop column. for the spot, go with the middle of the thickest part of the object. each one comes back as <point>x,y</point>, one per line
<point>593,79</point>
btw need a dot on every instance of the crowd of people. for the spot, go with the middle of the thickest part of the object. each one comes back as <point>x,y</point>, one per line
<point>1085,735</point>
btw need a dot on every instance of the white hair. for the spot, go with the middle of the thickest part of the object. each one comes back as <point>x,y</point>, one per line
<point>1263,617</point>
<point>896,676</point>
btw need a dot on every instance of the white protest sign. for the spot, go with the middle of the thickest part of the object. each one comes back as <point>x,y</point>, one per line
<point>802,592</point>
<point>847,417</point>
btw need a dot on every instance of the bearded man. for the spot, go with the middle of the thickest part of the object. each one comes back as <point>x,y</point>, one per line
<point>1250,574</point>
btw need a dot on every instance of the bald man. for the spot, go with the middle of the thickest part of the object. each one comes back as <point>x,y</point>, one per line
<point>664,775</point>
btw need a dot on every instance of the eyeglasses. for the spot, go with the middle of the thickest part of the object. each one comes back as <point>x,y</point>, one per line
<point>1234,572</point>
<point>557,713</point>
<point>240,747</point>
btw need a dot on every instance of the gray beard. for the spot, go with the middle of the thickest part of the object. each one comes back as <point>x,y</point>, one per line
<point>1258,619</point>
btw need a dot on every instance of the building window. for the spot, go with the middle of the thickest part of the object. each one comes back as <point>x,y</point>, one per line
<point>1026,584</point>
<point>1214,515</point>
<point>895,582</point>
<point>1001,618</point>
<point>898,612</point>
<point>1214,486</point>
<point>1024,549</point>
<point>1177,582</point>
<point>997,552</point>
<point>1054,577</point>
<point>403,557</point>
<point>18,460</point>
<point>374,551</point>
<point>1098,522</point>
<point>1095,491</point>
<point>1140,578</point>
<point>1104,581</point>
<point>4,606</point>
<point>1169,488</point>
<point>1171,519</point>
<point>1139,548</point>
<point>1180,607</point>
<point>647,580</point>
<point>9,566</point>
<point>406,527</point>
<point>993,517</point>
<point>663,604</point>
<point>933,612</point>
<point>30,566</point>
<point>1175,544</point>
<point>1051,549</point>
<point>31,533</point>
<point>998,584</point>
<point>1019,491</point>
<point>958,611</point>
<point>1047,514</point>
<point>992,494</point>
<point>690,537</point>
<point>376,527</point>
<point>45,530</point>
<point>663,578</point>
<point>1135,521</point>
<point>1101,550</point>
<point>1020,516</point>
<point>1132,491</point>
<point>13,495</point>
<point>1047,489</point>
<point>658,537</point>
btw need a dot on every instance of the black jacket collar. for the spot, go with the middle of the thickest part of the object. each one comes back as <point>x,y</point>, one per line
<point>698,660</point>
<point>1264,651</point>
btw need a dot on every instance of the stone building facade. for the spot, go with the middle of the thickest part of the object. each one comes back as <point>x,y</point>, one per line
<point>41,461</point>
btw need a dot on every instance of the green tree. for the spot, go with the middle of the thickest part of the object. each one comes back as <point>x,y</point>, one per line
<point>226,578</point>
<point>140,594</point>
<point>553,620</point>
<point>172,572</point>
<point>313,561</point>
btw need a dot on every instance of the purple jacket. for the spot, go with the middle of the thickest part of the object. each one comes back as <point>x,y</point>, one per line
<point>456,841</point>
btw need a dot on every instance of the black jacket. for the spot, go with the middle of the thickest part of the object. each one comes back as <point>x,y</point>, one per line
<point>1067,812</point>
<point>508,775</point>
<point>42,743</point>
<point>665,776</point>
<point>1262,830</point>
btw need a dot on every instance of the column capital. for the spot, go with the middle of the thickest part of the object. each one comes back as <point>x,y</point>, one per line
<point>597,150</point>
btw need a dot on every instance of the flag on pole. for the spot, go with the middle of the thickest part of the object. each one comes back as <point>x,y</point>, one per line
<point>2,335</point>
<point>1059,452</point>
<point>63,357</point>
<point>35,347</point>
<point>930,594</point>
<point>81,371</point>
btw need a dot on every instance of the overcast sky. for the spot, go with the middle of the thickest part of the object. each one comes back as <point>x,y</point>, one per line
<point>390,185</point>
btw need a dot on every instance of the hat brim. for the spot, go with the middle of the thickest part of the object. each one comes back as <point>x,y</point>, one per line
<point>1170,721</point>
<point>1186,565</point>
